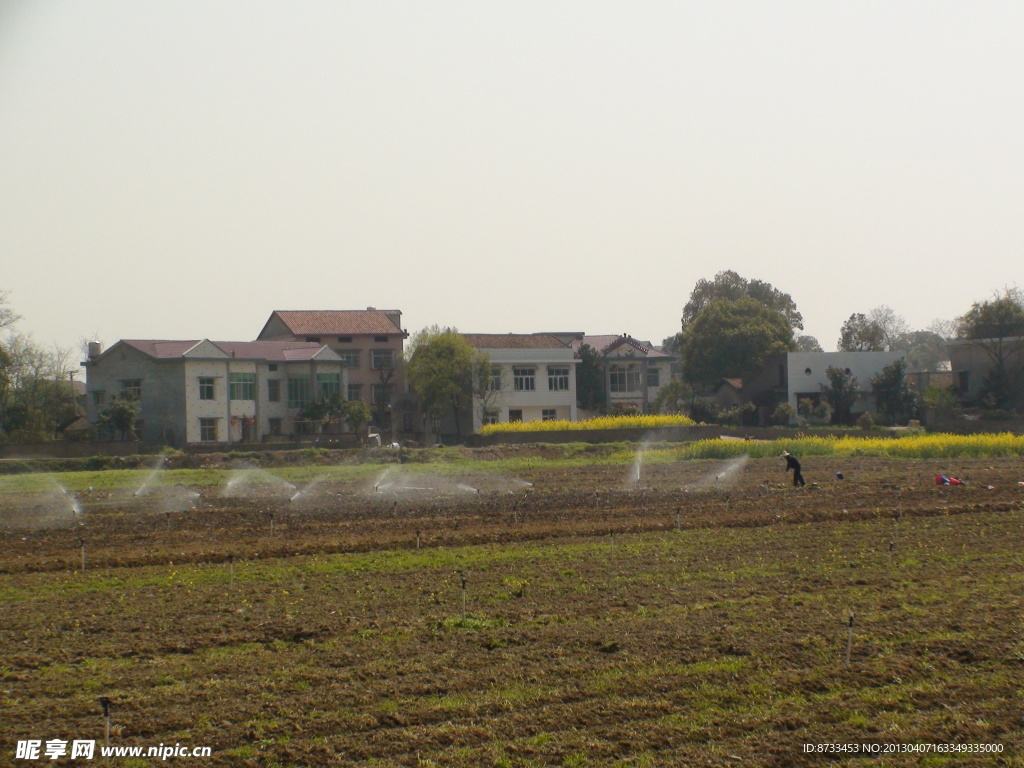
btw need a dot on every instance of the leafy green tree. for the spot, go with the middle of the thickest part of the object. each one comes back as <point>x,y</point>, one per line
<point>997,327</point>
<point>861,334</point>
<point>440,372</point>
<point>119,417</point>
<point>675,397</point>
<point>841,393</point>
<point>322,410</point>
<point>924,350</point>
<point>732,338</point>
<point>356,413</point>
<point>590,390</point>
<point>730,286</point>
<point>894,395</point>
<point>808,344</point>
<point>36,395</point>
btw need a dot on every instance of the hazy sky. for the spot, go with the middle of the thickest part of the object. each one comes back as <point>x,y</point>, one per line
<point>181,169</point>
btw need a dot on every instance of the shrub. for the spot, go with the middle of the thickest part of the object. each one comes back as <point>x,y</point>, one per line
<point>866,421</point>
<point>783,415</point>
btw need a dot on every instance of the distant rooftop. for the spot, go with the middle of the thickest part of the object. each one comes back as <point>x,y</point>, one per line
<point>275,351</point>
<point>514,341</point>
<point>340,322</point>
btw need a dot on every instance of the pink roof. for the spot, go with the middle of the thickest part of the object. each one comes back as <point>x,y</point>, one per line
<point>245,350</point>
<point>340,322</point>
<point>513,341</point>
<point>605,344</point>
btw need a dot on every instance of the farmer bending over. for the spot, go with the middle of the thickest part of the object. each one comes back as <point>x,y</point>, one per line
<point>792,463</point>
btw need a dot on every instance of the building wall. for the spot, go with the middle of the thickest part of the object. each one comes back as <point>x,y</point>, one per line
<point>162,406</point>
<point>361,375</point>
<point>806,373</point>
<point>171,406</point>
<point>531,403</point>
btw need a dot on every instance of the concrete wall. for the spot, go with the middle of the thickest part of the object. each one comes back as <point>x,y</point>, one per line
<point>69,450</point>
<point>807,373</point>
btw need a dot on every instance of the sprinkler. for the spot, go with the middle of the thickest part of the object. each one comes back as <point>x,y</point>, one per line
<point>105,703</point>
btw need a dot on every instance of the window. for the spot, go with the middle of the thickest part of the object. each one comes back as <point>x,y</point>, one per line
<point>344,339</point>
<point>515,414</point>
<point>274,390</point>
<point>490,416</point>
<point>548,414</point>
<point>132,388</point>
<point>653,377</point>
<point>523,379</point>
<point>558,378</point>
<point>328,384</point>
<point>207,389</point>
<point>242,386</point>
<point>99,397</point>
<point>381,393</point>
<point>298,391</point>
<point>349,359</point>
<point>208,430</point>
<point>315,339</point>
<point>355,391</point>
<point>495,379</point>
<point>272,367</point>
<point>380,339</point>
<point>275,426</point>
<point>624,378</point>
<point>382,358</point>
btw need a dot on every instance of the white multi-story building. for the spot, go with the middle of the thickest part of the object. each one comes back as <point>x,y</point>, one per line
<point>213,391</point>
<point>634,371</point>
<point>533,378</point>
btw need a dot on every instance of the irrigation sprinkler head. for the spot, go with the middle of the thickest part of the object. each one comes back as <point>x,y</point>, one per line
<point>105,703</point>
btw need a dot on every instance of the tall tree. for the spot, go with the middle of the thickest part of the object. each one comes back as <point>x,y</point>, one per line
<point>440,372</point>
<point>731,338</point>
<point>8,316</point>
<point>808,344</point>
<point>730,286</point>
<point>590,391</point>
<point>841,393</point>
<point>861,334</point>
<point>997,327</point>
<point>894,396</point>
<point>925,350</point>
<point>891,325</point>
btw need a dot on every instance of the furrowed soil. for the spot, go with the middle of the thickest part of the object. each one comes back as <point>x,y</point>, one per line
<point>700,617</point>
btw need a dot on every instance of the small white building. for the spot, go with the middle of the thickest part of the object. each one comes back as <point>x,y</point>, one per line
<point>806,374</point>
<point>203,391</point>
<point>533,378</point>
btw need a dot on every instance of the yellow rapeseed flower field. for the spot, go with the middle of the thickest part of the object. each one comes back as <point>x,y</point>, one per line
<point>599,422</point>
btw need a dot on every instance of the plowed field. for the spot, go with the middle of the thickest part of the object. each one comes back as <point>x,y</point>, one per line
<point>698,618</point>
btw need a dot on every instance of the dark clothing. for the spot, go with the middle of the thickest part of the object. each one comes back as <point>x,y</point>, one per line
<point>792,463</point>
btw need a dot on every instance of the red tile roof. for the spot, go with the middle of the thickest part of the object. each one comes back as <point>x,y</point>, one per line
<point>339,322</point>
<point>513,341</point>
